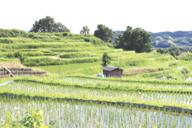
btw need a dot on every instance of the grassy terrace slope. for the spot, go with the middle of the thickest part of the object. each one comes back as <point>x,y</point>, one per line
<point>72,62</point>
<point>83,53</point>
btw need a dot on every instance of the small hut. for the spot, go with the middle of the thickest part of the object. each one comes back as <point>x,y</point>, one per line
<point>110,71</point>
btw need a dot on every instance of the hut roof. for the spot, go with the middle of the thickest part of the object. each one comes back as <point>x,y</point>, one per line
<point>111,68</point>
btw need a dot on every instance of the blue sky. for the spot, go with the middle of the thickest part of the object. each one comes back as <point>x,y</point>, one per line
<point>152,15</point>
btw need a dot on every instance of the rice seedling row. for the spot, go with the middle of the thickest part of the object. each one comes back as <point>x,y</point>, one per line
<point>72,114</point>
<point>70,92</point>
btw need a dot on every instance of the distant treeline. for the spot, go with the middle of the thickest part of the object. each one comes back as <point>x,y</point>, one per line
<point>135,39</point>
<point>174,51</point>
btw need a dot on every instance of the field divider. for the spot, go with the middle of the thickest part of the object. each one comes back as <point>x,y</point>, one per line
<point>52,83</point>
<point>177,110</point>
<point>135,81</point>
<point>6,83</point>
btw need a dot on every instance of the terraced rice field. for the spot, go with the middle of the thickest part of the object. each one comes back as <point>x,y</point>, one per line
<point>34,89</point>
<point>153,93</point>
<point>61,114</point>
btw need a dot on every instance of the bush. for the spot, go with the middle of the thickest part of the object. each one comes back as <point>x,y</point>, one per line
<point>87,40</point>
<point>186,56</point>
<point>32,119</point>
<point>184,71</point>
<point>6,41</point>
<point>35,36</point>
<point>106,59</point>
<point>93,40</point>
<point>12,33</point>
<point>66,34</point>
<point>10,55</point>
<point>18,55</point>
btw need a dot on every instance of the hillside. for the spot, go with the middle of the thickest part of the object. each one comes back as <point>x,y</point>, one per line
<point>75,52</point>
<point>153,85</point>
<point>167,39</point>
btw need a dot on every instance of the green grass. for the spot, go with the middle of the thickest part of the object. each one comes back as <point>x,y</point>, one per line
<point>74,69</point>
<point>72,62</point>
<point>46,49</point>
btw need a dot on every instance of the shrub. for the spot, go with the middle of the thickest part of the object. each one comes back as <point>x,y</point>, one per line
<point>87,40</point>
<point>66,34</point>
<point>185,56</point>
<point>12,33</point>
<point>32,119</point>
<point>184,71</point>
<point>6,41</point>
<point>106,59</point>
<point>34,36</point>
<point>93,40</point>
<point>16,54</point>
<point>10,55</point>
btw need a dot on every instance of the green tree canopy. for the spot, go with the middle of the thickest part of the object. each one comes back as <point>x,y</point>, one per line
<point>104,33</point>
<point>105,59</point>
<point>85,30</point>
<point>48,24</point>
<point>135,39</point>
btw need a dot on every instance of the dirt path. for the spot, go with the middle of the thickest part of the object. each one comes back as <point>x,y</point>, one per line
<point>6,83</point>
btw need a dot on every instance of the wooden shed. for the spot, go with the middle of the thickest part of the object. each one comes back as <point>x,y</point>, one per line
<point>110,71</point>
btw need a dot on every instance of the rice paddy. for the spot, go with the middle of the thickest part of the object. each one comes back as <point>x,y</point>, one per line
<point>155,91</point>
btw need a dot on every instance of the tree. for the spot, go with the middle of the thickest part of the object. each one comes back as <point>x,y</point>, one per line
<point>85,30</point>
<point>135,39</point>
<point>59,27</point>
<point>105,59</point>
<point>104,33</point>
<point>48,24</point>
